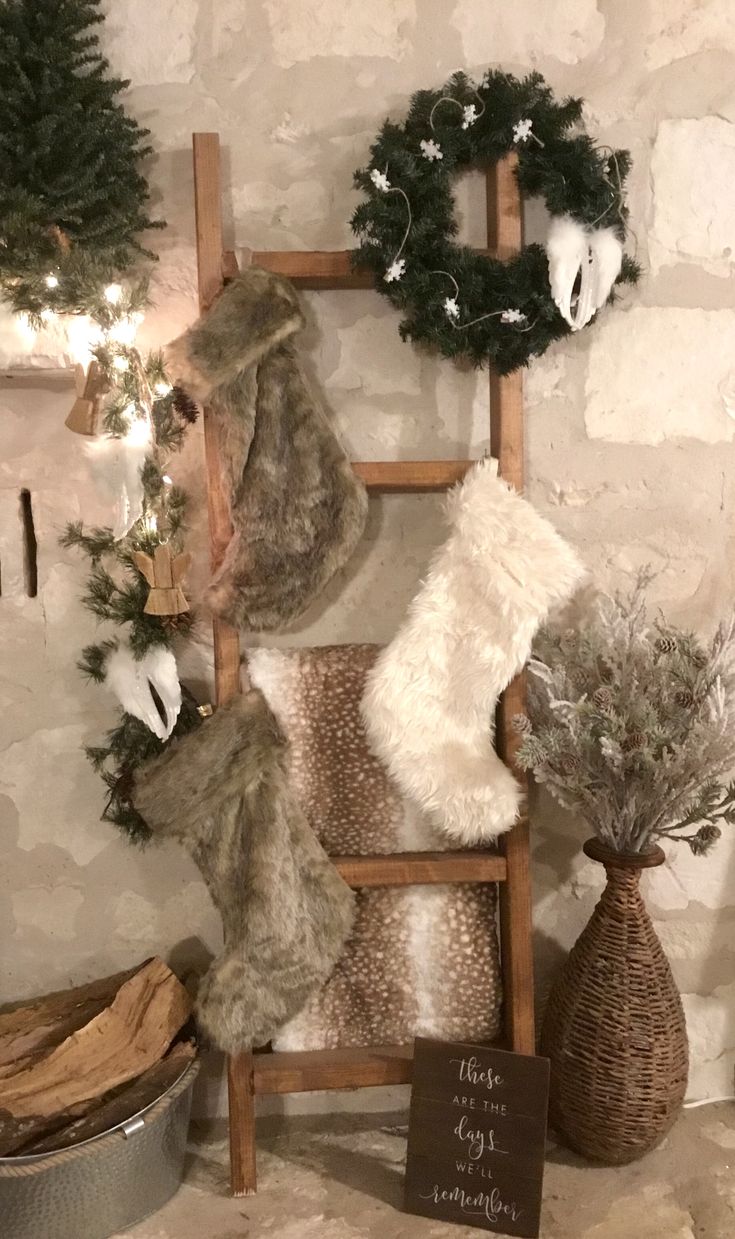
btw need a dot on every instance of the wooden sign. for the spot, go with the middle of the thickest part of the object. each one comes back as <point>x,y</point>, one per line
<point>477,1137</point>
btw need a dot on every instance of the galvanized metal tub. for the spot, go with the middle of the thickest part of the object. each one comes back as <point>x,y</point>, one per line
<point>103,1185</point>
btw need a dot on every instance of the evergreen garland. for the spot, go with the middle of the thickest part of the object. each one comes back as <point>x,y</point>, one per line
<point>116,591</point>
<point>73,203</point>
<point>72,198</point>
<point>407,225</point>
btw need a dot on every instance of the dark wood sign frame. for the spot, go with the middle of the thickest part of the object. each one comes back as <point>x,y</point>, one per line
<point>477,1137</point>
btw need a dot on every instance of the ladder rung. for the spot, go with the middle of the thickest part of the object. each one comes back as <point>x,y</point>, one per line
<point>318,268</point>
<point>314,268</point>
<point>421,868</point>
<point>304,1071</point>
<point>411,475</point>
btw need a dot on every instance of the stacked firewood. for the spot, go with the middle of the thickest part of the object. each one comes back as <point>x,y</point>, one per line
<point>80,1061</point>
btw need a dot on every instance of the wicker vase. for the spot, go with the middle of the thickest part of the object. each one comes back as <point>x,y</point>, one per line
<point>614,1028</point>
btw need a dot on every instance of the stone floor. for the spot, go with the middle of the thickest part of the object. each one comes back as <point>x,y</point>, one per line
<point>341,1178</point>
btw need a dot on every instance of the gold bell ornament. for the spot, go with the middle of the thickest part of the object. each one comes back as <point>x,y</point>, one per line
<point>92,386</point>
<point>164,573</point>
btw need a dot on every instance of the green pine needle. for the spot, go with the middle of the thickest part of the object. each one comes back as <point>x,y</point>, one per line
<point>73,201</point>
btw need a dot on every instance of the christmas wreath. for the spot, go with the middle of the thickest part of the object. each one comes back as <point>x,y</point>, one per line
<point>463,303</point>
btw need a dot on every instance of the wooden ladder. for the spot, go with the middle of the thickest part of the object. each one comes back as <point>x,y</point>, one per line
<point>250,1074</point>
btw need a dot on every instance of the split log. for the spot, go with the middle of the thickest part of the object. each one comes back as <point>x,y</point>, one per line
<point>119,1044</point>
<point>16,1133</point>
<point>28,1029</point>
<point>126,1102</point>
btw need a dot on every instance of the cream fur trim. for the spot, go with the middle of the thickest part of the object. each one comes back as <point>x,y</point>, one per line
<point>430,700</point>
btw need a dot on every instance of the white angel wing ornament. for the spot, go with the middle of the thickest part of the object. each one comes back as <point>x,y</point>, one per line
<point>568,253</point>
<point>595,257</point>
<point>131,680</point>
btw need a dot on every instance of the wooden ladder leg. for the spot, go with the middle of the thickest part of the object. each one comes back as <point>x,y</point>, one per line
<point>516,943</point>
<point>212,265</point>
<point>241,1096</point>
<point>504,238</point>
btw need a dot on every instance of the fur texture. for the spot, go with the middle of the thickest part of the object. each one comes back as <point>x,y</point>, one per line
<point>297,508</point>
<point>224,792</point>
<point>430,700</point>
<point>421,960</point>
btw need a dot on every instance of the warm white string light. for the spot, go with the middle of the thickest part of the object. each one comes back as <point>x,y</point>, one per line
<point>511,316</point>
<point>469,112</point>
<point>397,267</point>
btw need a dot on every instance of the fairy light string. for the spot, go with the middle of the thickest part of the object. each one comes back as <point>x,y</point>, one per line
<point>467,125</point>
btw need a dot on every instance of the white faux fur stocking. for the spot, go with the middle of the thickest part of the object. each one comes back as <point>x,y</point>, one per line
<point>430,700</point>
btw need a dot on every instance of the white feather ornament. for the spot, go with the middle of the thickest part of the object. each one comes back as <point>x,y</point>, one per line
<point>567,252</point>
<point>607,261</point>
<point>596,257</point>
<point>131,680</point>
<point>115,465</point>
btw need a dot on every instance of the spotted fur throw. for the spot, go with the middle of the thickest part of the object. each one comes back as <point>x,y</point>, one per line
<point>420,960</point>
<point>297,508</point>
<point>224,792</point>
<point>430,700</point>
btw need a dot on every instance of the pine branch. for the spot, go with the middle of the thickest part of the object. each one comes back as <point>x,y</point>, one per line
<point>77,215</point>
<point>94,660</point>
<point>94,543</point>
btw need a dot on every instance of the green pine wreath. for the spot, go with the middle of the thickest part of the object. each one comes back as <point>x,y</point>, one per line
<point>464,304</point>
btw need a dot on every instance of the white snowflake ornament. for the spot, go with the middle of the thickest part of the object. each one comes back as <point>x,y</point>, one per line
<point>431,149</point>
<point>512,316</point>
<point>522,130</point>
<point>380,180</point>
<point>395,270</point>
<point>469,115</point>
<point>451,308</point>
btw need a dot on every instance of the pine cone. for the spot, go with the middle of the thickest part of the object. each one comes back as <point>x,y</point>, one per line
<point>633,741</point>
<point>522,724</point>
<point>175,623</point>
<point>667,645</point>
<point>684,697</point>
<point>603,698</point>
<point>704,838</point>
<point>568,764</point>
<point>185,406</point>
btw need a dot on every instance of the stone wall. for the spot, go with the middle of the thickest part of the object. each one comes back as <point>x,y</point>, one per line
<point>630,425</point>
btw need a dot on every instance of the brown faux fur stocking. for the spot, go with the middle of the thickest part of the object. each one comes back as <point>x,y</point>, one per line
<point>224,792</point>
<point>297,508</point>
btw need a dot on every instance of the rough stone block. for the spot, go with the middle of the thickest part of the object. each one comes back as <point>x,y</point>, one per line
<point>323,28</point>
<point>370,338</point>
<point>48,910</point>
<point>152,44</point>
<point>527,31</point>
<point>711,1027</point>
<point>678,28</point>
<point>659,373</point>
<point>294,216</point>
<point>693,172</point>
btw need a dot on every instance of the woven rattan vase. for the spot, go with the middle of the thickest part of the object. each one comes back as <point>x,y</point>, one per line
<point>614,1028</point>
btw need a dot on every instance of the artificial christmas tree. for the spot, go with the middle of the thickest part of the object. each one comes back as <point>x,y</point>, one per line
<point>72,199</point>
